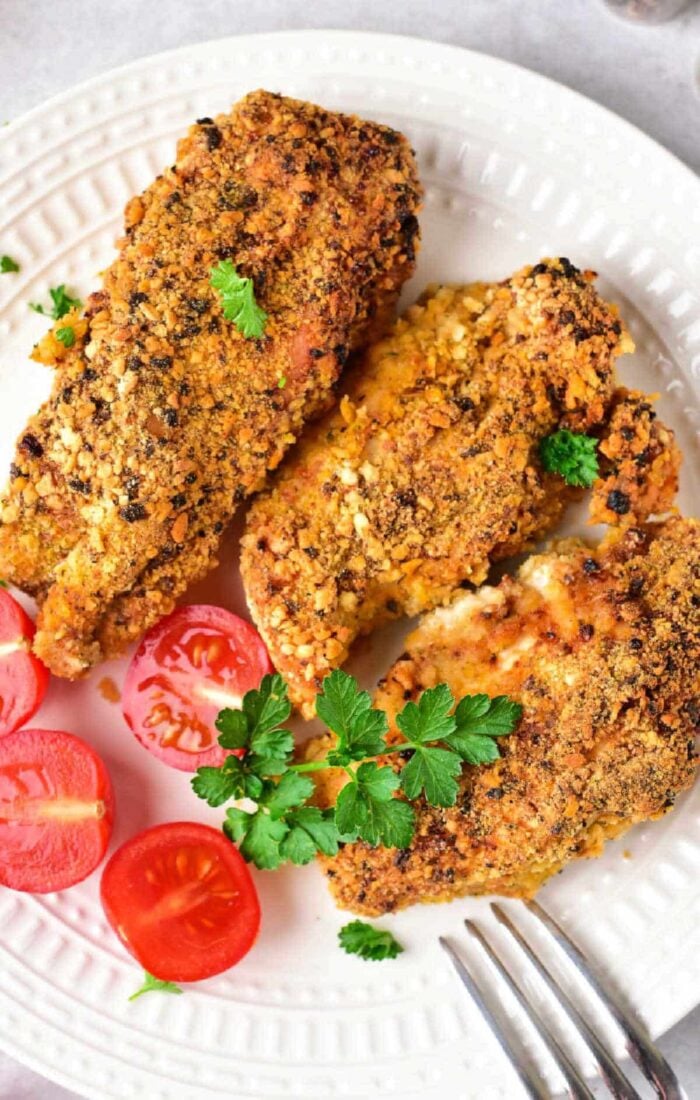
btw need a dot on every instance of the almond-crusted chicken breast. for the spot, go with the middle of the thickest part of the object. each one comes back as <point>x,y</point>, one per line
<point>163,417</point>
<point>602,648</point>
<point>429,470</point>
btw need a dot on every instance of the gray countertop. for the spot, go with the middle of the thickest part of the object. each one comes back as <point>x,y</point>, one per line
<point>649,75</point>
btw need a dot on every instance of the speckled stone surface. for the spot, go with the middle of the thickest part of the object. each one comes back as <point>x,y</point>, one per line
<point>649,75</point>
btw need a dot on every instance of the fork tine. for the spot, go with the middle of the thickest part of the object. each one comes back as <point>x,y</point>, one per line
<point>530,1081</point>
<point>641,1049</point>
<point>613,1076</point>
<point>577,1086</point>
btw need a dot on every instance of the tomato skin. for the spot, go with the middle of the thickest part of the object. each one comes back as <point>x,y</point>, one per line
<point>188,667</point>
<point>23,678</point>
<point>56,810</point>
<point>181,899</point>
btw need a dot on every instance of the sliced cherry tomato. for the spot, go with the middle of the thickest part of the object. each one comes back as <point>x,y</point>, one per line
<point>23,678</point>
<point>56,810</point>
<point>188,667</point>
<point>182,901</point>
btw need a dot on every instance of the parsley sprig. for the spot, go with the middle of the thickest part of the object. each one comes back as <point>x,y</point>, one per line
<point>572,455</point>
<point>283,827</point>
<point>66,336</point>
<point>8,265</point>
<point>238,300</point>
<point>360,938</point>
<point>61,304</point>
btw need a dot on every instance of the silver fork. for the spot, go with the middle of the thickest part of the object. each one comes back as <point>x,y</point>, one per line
<point>640,1047</point>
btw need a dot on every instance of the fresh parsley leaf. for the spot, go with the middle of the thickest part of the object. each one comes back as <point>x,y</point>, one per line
<point>493,717</point>
<point>238,300</point>
<point>256,726</point>
<point>310,831</point>
<point>233,728</point>
<point>298,847</point>
<point>475,749</point>
<point>152,985</point>
<point>258,836</point>
<point>292,790</point>
<point>217,785</point>
<point>277,831</point>
<point>429,719</point>
<point>479,720</point>
<point>62,303</point>
<point>281,381</point>
<point>348,712</point>
<point>572,455</point>
<point>366,806</point>
<point>360,938</point>
<point>432,772</point>
<point>66,336</point>
<point>8,265</point>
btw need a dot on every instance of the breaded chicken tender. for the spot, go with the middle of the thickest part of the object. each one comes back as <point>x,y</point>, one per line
<point>602,648</point>
<point>163,416</point>
<point>429,470</point>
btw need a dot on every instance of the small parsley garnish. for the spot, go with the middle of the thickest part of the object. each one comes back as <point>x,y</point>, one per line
<point>571,455</point>
<point>282,381</point>
<point>360,938</point>
<point>238,300</point>
<point>3,584</point>
<point>153,985</point>
<point>282,827</point>
<point>62,303</point>
<point>66,336</point>
<point>7,265</point>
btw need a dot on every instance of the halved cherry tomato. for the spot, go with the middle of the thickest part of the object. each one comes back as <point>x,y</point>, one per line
<point>23,678</point>
<point>182,901</point>
<point>188,667</point>
<point>56,810</point>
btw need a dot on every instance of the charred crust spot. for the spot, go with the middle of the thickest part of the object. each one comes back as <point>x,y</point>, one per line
<point>133,512</point>
<point>618,502</point>
<point>406,498</point>
<point>31,445</point>
<point>213,136</point>
<point>79,486</point>
<point>465,404</point>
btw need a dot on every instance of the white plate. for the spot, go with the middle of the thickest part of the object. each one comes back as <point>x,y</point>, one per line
<point>515,168</point>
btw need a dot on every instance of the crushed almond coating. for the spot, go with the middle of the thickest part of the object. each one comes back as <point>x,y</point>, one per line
<point>639,461</point>
<point>163,417</point>
<point>429,470</point>
<point>602,648</point>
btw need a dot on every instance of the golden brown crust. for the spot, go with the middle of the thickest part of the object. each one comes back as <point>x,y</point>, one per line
<point>429,470</point>
<point>602,648</point>
<point>639,462</point>
<point>162,416</point>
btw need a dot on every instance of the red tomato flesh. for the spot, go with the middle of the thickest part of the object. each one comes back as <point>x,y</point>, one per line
<point>188,667</point>
<point>56,810</point>
<point>23,678</point>
<point>182,901</point>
